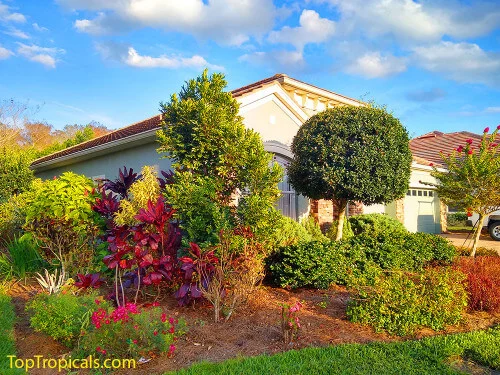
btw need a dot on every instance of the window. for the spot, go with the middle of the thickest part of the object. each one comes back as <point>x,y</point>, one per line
<point>287,204</point>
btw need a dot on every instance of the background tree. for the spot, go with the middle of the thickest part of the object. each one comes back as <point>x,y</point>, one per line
<point>472,178</point>
<point>206,139</point>
<point>351,153</point>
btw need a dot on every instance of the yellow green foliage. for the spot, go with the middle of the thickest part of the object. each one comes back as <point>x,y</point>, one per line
<point>147,188</point>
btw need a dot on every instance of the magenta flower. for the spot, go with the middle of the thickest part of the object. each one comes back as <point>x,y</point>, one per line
<point>469,141</point>
<point>470,152</point>
<point>486,130</point>
<point>460,148</point>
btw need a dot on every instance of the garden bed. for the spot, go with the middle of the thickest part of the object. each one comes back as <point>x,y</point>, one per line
<point>251,332</point>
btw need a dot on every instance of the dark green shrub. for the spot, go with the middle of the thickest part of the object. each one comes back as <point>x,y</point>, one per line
<point>400,302</point>
<point>312,227</point>
<point>62,316</point>
<point>457,219</point>
<point>375,225</point>
<point>315,263</point>
<point>347,233</point>
<point>356,261</point>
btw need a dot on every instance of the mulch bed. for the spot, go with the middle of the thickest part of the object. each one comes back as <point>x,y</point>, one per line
<point>251,331</point>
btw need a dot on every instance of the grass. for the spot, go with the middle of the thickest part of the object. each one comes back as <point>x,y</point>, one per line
<point>459,229</point>
<point>20,259</point>
<point>428,356</point>
<point>7,343</point>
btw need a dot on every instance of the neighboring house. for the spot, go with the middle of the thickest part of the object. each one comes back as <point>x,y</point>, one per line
<point>275,107</point>
<point>431,145</point>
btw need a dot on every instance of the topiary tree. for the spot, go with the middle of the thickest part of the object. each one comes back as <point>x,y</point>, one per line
<point>351,153</point>
<point>205,137</point>
<point>472,178</point>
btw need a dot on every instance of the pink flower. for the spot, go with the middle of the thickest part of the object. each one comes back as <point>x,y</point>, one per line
<point>172,329</point>
<point>172,348</point>
<point>163,317</point>
<point>98,349</point>
<point>171,321</point>
<point>135,342</point>
<point>155,333</point>
<point>498,127</point>
<point>469,141</point>
<point>155,304</point>
<point>470,152</point>
<point>486,129</point>
<point>460,148</point>
<point>103,352</point>
<point>97,302</point>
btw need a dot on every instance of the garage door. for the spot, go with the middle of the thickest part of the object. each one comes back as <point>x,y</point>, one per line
<point>421,211</point>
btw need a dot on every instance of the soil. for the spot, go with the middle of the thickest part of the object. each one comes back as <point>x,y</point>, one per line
<point>252,331</point>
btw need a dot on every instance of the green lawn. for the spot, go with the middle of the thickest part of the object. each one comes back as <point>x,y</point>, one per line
<point>427,356</point>
<point>7,343</point>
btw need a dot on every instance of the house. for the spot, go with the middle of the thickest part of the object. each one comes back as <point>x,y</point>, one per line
<point>275,107</point>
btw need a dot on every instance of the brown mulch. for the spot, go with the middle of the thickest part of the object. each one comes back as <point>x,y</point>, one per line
<point>251,331</point>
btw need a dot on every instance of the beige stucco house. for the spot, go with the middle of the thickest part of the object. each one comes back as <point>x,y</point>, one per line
<point>275,107</point>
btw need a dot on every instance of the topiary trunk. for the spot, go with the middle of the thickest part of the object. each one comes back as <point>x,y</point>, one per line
<point>341,205</point>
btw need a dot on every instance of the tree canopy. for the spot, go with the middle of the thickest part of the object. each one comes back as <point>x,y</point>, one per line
<point>472,178</point>
<point>351,153</point>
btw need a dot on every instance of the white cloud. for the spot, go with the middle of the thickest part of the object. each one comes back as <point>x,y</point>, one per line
<point>312,29</point>
<point>225,21</point>
<point>5,53</point>
<point>462,62</point>
<point>43,55</point>
<point>7,16</point>
<point>376,65</point>
<point>172,62</point>
<point>16,33</point>
<point>493,109</point>
<point>418,21</point>
<point>129,56</point>
<point>275,59</point>
<point>37,27</point>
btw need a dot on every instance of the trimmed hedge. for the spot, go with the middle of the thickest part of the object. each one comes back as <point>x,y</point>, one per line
<point>320,264</point>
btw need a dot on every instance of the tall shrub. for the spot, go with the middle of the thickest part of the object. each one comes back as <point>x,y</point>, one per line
<point>205,137</point>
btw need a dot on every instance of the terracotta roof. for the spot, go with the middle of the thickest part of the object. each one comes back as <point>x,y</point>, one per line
<point>139,127</point>
<point>430,145</point>
<point>253,86</point>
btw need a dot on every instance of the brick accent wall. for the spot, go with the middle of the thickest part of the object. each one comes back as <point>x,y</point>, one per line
<point>325,212</point>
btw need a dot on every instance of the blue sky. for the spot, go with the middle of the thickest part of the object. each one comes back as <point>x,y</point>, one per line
<point>434,64</point>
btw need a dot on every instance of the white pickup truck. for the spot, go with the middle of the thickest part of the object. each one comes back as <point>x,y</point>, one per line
<point>494,225</point>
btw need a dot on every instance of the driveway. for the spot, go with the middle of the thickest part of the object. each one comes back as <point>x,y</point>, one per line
<point>458,239</point>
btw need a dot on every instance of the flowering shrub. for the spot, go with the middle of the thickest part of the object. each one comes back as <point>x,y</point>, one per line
<point>131,331</point>
<point>483,282</point>
<point>290,322</point>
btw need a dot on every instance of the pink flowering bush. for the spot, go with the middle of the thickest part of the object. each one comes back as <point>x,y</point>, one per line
<point>131,331</point>
<point>290,322</point>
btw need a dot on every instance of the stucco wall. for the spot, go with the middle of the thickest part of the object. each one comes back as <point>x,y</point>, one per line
<point>271,122</point>
<point>108,165</point>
